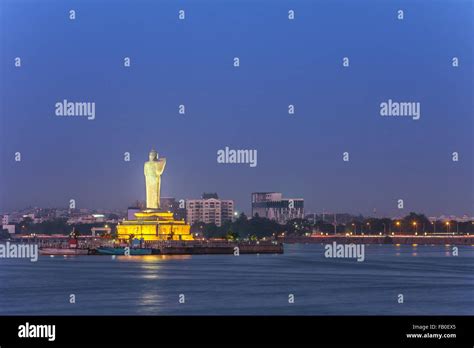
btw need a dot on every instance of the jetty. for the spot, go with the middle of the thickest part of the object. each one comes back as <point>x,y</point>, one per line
<point>214,247</point>
<point>91,245</point>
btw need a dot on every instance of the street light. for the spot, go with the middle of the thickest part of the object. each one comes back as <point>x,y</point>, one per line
<point>399,226</point>
<point>416,227</point>
<point>447,226</point>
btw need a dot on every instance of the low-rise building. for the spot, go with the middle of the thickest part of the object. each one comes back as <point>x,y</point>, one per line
<point>273,206</point>
<point>9,228</point>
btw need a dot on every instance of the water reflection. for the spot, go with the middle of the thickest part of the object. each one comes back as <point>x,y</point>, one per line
<point>152,258</point>
<point>149,299</point>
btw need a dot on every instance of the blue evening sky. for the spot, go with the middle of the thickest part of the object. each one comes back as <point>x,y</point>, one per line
<point>282,62</point>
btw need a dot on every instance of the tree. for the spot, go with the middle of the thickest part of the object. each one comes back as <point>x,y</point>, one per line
<point>4,234</point>
<point>299,226</point>
<point>232,236</point>
<point>242,217</point>
<point>415,222</point>
<point>198,227</point>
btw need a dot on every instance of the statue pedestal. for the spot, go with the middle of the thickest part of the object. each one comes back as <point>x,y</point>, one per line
<point>154,225</point>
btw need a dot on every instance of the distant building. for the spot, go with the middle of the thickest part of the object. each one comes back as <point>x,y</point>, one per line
<point>29,216</point>
<point>9,228</point>
<point>209,209</point>
<point>34,219</point>
<point>5,219</point>
<point>44,214</point>
<point>61,214</point>
<point>339,218</point>
<point>15,217</point>
<point>273,206</point>
<point>86,219</point>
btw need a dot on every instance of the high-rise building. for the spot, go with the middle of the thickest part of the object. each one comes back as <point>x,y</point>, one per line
<point>273,206</point>
<point>209,210</point>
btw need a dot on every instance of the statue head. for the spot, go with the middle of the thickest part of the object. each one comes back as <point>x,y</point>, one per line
<point>153,156</point>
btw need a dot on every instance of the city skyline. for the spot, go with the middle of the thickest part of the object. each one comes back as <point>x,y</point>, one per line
<point>137,204</point>
<point>247,207</point>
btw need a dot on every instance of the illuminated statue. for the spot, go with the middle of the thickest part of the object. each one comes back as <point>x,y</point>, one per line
<point>151,223</point>
<point>153,170</point>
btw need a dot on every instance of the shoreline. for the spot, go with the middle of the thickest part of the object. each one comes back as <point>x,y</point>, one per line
<point>401,240</point>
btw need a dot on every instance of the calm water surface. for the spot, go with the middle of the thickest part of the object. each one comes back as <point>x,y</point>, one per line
<point>430,279</point>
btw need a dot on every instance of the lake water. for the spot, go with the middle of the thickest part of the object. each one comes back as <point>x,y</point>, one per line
<point>431,280</point>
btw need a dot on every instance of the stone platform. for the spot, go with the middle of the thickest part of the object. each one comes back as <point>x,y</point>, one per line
<point>154,225</point>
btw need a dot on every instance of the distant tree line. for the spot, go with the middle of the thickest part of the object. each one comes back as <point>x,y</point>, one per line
<point>242,227</point>
<point>259,227</point>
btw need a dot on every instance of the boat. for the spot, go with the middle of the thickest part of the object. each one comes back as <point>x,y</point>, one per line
<point>71,249</point>
<point>122,251</point>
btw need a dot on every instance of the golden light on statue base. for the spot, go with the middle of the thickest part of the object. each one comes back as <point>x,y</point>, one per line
<point>152,224</point>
